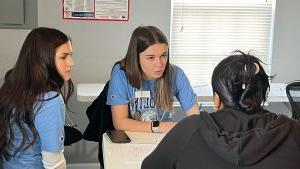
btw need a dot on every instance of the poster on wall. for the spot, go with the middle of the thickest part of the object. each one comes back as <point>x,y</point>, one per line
<point>106,10</point>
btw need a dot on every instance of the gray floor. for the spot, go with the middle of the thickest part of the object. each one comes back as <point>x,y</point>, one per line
<point>82,152</point>
<point>84,166</point>
<point>82,155</point>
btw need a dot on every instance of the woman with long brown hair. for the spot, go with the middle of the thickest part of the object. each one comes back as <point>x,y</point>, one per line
<point>143,84</point>
<point>32,102</point>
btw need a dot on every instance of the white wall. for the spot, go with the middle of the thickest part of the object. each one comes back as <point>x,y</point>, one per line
<point>98,44</point>
<point>286,45</point>
<point>10,45</point>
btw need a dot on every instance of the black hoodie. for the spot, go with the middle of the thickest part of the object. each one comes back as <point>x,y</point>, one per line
<point>229,139</point>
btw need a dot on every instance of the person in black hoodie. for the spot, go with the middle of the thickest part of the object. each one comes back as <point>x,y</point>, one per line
<point>240,134</point>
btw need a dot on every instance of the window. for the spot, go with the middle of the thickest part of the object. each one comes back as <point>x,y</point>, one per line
<point>203,32</point>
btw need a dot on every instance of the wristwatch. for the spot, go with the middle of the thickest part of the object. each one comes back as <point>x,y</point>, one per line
<point>155,127</point>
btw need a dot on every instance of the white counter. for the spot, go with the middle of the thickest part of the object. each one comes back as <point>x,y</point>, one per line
<point>87,92</point>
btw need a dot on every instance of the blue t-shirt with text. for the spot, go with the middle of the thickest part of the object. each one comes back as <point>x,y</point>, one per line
<point>142,101</point>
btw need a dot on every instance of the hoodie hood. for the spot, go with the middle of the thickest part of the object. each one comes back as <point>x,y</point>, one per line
<point>243,139</point>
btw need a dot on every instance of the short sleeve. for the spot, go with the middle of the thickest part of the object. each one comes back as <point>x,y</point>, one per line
<point>118,87</point>
<point>183,90</point>
<point>49,122</point>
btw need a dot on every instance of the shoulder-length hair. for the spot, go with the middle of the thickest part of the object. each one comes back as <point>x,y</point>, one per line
<point>241,81</point>
<point>33,75</point>
<point>141,38</point>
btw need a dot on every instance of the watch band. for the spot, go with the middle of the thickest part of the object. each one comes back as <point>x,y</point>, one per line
<point>155,127</point>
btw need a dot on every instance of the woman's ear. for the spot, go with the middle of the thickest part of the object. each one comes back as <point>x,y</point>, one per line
<point>217,101</point>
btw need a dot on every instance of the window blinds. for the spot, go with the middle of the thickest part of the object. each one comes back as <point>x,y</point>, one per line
<point>204,32</point>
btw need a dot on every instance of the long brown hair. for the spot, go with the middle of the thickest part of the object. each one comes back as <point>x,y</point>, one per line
<point>141,38</point>
<point>33,74</point>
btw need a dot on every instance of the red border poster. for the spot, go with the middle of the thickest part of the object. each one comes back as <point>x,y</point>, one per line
<point>106,10</point>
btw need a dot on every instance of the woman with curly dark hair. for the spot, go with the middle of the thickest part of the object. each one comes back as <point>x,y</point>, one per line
<point>239,134</point>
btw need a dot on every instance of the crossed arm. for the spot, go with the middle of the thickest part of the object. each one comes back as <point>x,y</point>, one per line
<point>121,120</point>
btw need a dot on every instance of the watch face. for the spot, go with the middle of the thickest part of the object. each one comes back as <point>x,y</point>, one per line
<point>155,123</point>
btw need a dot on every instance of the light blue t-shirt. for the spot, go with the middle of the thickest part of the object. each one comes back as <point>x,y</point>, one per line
<point>49,123</point>
<point>142,101</point>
